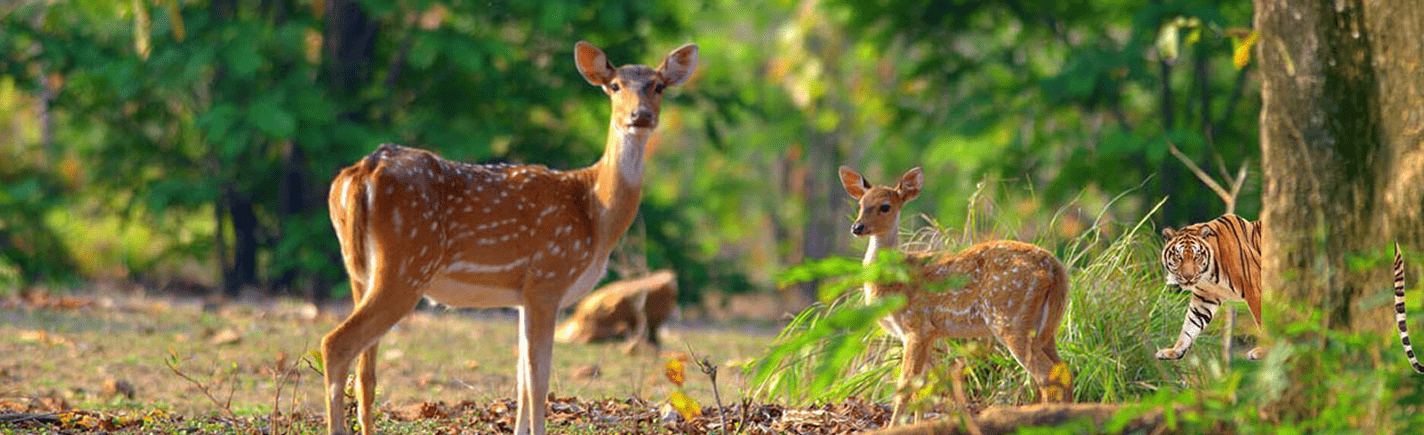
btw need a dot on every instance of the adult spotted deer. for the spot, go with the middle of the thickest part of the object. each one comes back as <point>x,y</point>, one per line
<point>1012,291</point>
<point>412,224</point>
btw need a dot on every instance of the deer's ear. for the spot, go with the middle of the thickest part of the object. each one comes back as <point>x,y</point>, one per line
<point>854,184</point>
<point>593,64</point>
<point>911,183</point>
<point>679,65</point>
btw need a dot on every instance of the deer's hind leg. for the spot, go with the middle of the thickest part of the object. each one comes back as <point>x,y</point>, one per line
<point>1025,349</point>
<point>375,313</point>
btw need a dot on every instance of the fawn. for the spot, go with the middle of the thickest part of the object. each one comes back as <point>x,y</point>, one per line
<point>1014,292</point>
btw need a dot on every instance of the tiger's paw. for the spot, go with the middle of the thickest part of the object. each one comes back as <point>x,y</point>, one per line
<point>1256,354</point>
<point>1169,353</point>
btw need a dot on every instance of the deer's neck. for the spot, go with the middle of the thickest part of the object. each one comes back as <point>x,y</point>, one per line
<point>618,183</point>
<point>878,242</point>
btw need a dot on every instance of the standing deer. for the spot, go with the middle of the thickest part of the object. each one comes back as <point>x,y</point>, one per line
<point>1013,291</point>
<point>412,224</point>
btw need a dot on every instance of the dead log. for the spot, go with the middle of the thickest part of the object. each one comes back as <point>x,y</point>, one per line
<point>1007,420</point>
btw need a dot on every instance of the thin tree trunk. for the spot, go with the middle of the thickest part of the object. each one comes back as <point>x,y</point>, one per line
<point>348,47</point>
<point>820,215</point>
<point>244,246</point>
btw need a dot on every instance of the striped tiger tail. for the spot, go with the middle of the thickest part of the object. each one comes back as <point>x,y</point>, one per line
<point>1399,310</point>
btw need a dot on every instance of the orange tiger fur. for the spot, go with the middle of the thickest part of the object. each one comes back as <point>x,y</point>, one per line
<point>1217,261</point>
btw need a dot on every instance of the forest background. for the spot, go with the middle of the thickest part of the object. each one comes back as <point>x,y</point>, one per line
<point>176,142</point>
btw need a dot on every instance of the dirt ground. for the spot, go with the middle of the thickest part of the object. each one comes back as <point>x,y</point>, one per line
<point>141,364</point>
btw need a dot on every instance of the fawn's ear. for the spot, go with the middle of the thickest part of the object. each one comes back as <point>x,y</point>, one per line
<point>855,184</point>
<point>593,64</point>
<point>678,65</point>
<point>1169,233</point>
<point>911,183</point>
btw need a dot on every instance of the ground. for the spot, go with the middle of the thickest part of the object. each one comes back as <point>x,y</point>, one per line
<point>143,364</point>
<point>158,363</point>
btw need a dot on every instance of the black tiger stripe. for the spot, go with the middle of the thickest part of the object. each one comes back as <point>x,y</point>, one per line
<point>1204,317</point>
<point>1399,312</point>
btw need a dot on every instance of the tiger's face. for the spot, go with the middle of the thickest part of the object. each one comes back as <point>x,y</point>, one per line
<point>1187,256</point>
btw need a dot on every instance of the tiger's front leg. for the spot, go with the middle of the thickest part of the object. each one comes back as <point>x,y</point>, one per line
<point>1199,314</point>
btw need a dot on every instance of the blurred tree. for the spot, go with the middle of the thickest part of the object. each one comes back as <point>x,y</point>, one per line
<point>1066,95</point>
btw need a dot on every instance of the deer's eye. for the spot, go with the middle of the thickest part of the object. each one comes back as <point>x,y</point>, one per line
<point>614,87</point>
<point>884,208</point>
<point>658,88</point>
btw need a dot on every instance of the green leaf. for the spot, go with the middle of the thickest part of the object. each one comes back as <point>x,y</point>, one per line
<point>241,57</point>
<point>216,122</point>
<point>267,115</point>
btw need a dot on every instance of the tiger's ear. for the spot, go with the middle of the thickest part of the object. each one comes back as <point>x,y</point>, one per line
<point>1206,230</point>
<point>1169,233</point>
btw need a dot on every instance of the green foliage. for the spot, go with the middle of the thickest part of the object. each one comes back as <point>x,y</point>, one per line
<point>231,101</point>
<point>1345,385</point>
<point>183,106</point>
<point>1065,94</point>
<point>31,251</point>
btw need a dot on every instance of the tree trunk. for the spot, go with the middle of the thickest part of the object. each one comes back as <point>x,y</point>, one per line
<point>1340,144</point>
<point>822,190</point>
<point>244,248</point>
<point>348,46</point>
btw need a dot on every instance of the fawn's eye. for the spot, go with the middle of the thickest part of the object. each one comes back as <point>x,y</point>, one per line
<point>884,208</point>
<point>658,88</point>
<point>614,87</point>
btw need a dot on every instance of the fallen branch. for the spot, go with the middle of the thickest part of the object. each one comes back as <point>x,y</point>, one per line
<point>1011,419</point>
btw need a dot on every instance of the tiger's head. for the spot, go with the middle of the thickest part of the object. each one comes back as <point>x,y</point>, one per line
<point>1187,256</point>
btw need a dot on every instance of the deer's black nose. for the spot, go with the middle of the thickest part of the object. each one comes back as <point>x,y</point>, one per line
<point>857,228</point>
<point>641,118</point>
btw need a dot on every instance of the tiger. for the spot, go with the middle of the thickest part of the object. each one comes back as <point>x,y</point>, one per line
<point>1217,261</point>
<point>1399,311</point>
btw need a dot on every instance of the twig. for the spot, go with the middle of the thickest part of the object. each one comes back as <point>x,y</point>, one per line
<point>710,370</point>
<point>173,366</point>
<point>1202,175</point>
<point>21,417</point>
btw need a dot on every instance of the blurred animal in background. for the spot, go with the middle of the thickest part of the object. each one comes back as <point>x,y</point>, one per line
<point>631,309</point>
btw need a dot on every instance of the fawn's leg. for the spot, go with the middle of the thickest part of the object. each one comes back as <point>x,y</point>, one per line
<point>917,351</point>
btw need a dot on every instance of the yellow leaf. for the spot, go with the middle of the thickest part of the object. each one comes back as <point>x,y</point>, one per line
<point>1059,387</point>
<point>684,405</point>
<point>1242,52</point>
<point>675,371</point>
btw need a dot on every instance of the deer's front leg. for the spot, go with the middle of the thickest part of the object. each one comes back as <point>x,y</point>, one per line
<point>536,348</point>
<point>1199,314</point>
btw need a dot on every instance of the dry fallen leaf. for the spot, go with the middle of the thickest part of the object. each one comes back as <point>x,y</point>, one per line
<point>675,371</point>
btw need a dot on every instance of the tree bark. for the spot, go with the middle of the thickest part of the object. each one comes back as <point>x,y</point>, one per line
<point>1341,152</point>
<point>348,47</point>
<point>244,247</point>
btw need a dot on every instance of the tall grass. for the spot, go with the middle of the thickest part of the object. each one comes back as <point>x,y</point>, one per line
<point>1119,313</point>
